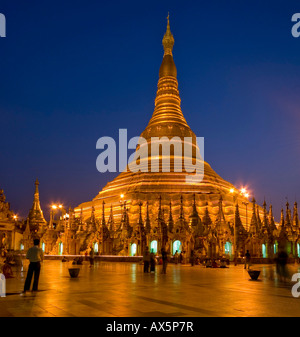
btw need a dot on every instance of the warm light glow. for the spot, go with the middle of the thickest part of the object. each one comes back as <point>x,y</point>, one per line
<point>54,206</point>
<point>247,195</point>
<point>122,196</point>
<point>243,190</point>
<point>231,190</point>
<point>60,206</point>
<point>15,217</point>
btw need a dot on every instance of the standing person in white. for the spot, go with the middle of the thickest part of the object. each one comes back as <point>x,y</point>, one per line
<point>35,255</point>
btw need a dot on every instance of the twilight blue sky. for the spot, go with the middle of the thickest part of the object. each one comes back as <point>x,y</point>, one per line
<point>74,71</point>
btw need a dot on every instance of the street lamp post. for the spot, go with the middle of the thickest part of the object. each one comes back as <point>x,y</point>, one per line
<point>53,209</point>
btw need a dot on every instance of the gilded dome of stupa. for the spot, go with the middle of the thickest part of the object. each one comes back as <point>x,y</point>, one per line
<point>147,187</point>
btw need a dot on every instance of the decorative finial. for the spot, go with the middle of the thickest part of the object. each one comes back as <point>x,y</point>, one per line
<point>168,39</point>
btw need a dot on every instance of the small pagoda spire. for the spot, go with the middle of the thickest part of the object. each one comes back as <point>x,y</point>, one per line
<point>160,213</point>
<point>206,220</point>
<point>221,216</point>
<point>181,214</point>
<point>170,220</point>
<point>240,230</point>
<point>36,217</point>
<point>281,218</point>
<point>253,224</point>
<point>147,220</point>
<point>288,220</point>
<point>271,218</point>
<point>92,221</point>
<point>194,212</point>
<point>265,224</point>
<point>295,216</point>
<point>140,221</point>
<point>287,215</point>
<point>111,222</point>
<point>103,223</point>
<point>259,223</point>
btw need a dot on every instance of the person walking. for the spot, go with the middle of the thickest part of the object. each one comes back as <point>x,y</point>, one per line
<point>164,257</point>
<point>35,255</point>
<point>176,256</point>
<point>92,257</point>
<point>281,266</point>
<point>247,260</point>
<point>146,259</point>
<point>152,261</point>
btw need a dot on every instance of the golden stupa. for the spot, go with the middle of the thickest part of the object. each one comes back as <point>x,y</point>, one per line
<point>151,189</point>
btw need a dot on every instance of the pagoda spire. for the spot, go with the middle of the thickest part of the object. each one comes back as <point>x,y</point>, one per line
<point>147,220</point>
<point>265,224</point>
<point>140,221</point>
<point>104,231</point>
<point>103,223</point>
<point>295,216</point>
<point>111,222</point>
<point>168,39</point>
<point>170,220</point>
<point>220,216</point>
<point>259,223</point>
<point>160,214</point>
<point>36,217</point>
<point>167,112</point>
<point>206,220</point>
<point>281,218</point>
<point>288,222</point>
<point>271,219</point>
<point>253,224</point>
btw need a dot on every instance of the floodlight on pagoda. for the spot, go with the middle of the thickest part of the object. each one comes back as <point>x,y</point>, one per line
<point>54,207</point>
<point>243,191</point>
<point>231,190</point>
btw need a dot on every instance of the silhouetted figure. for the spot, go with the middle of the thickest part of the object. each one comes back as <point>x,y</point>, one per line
<point>35,255</point>
<point>214,264</point>
<point>176,257</point>
<point>92,257</point>
<point>281,265</point>
<point>192,258</point>
<point>164,257</point>
<point>146,259</point>
<point>152,261</point>
<point>223,263</point>
<point>208,263</point>
<point>247,260</point>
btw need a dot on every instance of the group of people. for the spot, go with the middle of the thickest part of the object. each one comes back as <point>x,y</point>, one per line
<point>150,260</point>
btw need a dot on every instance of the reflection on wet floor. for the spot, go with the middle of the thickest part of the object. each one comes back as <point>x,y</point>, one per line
<point>123,289</point>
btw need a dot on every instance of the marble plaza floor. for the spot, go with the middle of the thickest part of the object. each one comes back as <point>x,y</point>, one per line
<point>116,289</point>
